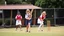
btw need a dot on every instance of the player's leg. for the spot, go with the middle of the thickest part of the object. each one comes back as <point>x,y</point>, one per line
<point>20,27</point>
<point>29,27</point>
<point>17,27</point>
<point>40,22</point>
<point>17,24</point>
<point>20,24</point>
<point>30,21</point>
<point>42,26</point>
<point>26,25</point>
<point>39,28</point>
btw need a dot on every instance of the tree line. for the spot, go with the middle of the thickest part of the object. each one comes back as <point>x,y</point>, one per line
<point>40,3</point>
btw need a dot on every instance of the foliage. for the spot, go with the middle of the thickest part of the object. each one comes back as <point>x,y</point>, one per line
<point>2,2</point>
<point>50,3</point>
<point>40,3</point>
<point>14,1</point>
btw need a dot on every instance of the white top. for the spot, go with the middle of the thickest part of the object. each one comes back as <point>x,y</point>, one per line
<point>26,16</point>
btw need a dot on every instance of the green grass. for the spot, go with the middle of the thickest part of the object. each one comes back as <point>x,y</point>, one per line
<point>54,31</point>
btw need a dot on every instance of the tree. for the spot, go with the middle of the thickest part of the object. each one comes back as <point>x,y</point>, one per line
<point>19,1</point>
<point>14,1</point>
<point>27,1</point>
<point>40,3</point>
<point>2,2</point>
<point>50,3</point>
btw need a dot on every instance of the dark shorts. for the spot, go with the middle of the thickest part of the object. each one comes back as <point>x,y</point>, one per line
<point>28,21</point>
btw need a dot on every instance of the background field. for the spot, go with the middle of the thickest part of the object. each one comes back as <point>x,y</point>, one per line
<point>55,31</point>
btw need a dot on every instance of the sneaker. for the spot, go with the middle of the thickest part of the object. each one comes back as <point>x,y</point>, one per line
<point>41,30</point>
<point>27,31</point>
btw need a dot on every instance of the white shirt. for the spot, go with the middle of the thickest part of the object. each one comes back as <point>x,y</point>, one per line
<point>26,16</point>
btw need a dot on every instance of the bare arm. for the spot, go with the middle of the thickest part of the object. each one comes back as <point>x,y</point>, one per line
<point>32,11</point>
<point>15,16</point>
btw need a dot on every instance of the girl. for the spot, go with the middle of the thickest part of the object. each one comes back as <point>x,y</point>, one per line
<point>41,20</point>
<point>18,20</point>
<point>28,17</point>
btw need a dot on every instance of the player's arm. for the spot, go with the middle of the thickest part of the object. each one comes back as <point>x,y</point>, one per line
<point>32,11</point>
<point>21,17</point>
<point>40,18</point>
<point>16,17</point>
<point>28,18</point>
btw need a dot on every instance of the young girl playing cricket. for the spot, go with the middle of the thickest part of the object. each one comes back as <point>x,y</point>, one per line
<point>18,20</point>
<point>41,20</point>
<point>28,17</point>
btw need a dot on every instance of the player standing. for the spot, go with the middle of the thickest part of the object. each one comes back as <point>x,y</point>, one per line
<point>18,20</point>
<point>41,20</point>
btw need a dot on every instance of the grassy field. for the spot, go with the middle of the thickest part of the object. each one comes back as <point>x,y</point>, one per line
<point>55,31</point>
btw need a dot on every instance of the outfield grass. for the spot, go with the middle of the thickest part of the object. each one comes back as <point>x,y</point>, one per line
<point>55,31</point>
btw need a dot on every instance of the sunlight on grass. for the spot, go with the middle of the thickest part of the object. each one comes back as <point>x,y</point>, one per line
<point>55,31</point>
